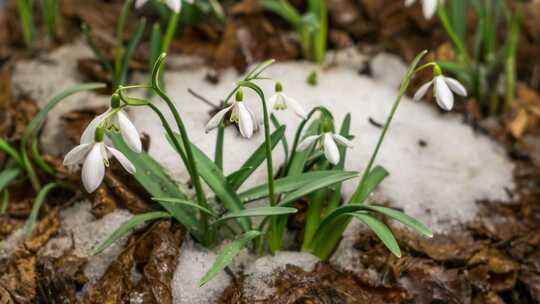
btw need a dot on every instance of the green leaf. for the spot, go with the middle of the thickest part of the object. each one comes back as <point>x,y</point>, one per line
<point>183,202</point>
<point>11,151</point>
<point>129,225</point>
<point>155,181</point>
<point>345,132</point>
<point>298,158</point>
<point>87,34</point>
<point>40,198</point>
<point>156,40</point>
<point>132,45</point>
<point>7,176</point>
<point>380,229</point>
<point>284,184</point>
<point>402,218</point>
<point>316,185</point>
<point>254,161</point>
<point>375,177</point>
<point>228,254</point>
<point>36,123</point>
<point>284,9</point>
<point>215,179</point>
<point>262,211</point>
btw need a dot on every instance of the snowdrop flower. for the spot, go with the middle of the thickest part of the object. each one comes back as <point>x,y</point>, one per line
<point>429,7</point>
<point>328,142</point>
<point>280,101</point>
<point>443,88</point>
<point>94,156</point>
<point>116,119</point>
<point>174,5</point>
<point>240,114</point>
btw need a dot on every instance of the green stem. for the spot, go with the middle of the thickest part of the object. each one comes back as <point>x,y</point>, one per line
<point>189,154</point>
<point>187,157</point>
<point>275,237</point>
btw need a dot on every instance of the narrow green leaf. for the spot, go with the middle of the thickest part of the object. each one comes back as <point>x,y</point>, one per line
<point>7,176</point>
<point>155,181</point>
<point>373,179</point>
<point>345,132</point>
<point>252,212</point>
<point>215,179</point>
<point>284,184</point>
<point>380,229</point>
<point>316,185</point>
<point>40,198</point>
<point>127,226</point>
<point>182,202</point>
<point>87,34</point>
<point>156,39</point>
<point>254,161</point>
<point>11,151</point>
<point>228,254</point>
<point>402,218</point>
<point>36,123</point>
<point>284,9</point>
<point>132,45</point>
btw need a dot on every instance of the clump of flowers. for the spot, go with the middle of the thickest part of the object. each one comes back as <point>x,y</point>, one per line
<point>306,173</point>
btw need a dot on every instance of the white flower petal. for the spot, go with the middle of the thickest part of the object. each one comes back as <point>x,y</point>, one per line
<point>123,160</point>
<point>140,3</point>
<point>342,140</point>
<point>429,8</point>
<point>295,105</point>
<point>174,5</point>
<point>216,119</point>
<point>245,120</point>
<point>307,142</point>
<point>331,150</point>
<point>272,103</point>
<point>443,95</point>
<point>93,169</point>
<point>129,132</point>
<point>76,155</point>
<point>89,133</point>
<point>456,86</point>
<point>422,91</point>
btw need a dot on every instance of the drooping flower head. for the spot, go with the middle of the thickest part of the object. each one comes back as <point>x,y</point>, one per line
<point>174,5</point>
<point>240,114</point>
<point>115,119</point>
<point>442,88</point>
<point>328,142</point>
<point>281,101</point>
<point>429,7</point>
<point>93,154</point>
